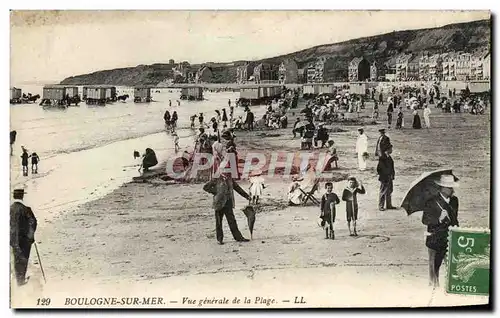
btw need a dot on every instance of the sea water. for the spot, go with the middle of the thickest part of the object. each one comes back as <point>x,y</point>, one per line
<point>87,151</point>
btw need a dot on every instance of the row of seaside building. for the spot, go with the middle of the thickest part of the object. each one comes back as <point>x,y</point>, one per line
<point>404,67</point>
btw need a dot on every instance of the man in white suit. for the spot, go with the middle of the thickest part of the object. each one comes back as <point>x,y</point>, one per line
<point>362,149</point>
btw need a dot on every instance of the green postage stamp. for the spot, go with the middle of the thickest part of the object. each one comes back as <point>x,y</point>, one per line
<point>468,262</point>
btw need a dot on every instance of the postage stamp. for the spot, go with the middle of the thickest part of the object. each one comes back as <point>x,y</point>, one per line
<point>468,262</point>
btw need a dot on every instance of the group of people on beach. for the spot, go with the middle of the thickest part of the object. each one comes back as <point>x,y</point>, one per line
<point>25,156</point>
<point>416,99</point>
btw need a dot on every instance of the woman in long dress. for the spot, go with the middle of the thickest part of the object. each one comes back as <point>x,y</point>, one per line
<point>224,115</point>
<point>295,196</point>
<point>399,121</point>
<point>416,120</point>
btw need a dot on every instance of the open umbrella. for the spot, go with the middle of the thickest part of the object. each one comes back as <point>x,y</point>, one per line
<point>422,189</point>
<point>250,214</point>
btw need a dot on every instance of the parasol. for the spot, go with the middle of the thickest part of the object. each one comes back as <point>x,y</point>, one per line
<point>422,189</point>
<point>250,214</point>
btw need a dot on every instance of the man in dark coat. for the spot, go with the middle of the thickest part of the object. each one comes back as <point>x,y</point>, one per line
<point>390,110</point>
<point>322,135</point>
<point>386,173</point>
<point>440,212</point>
<point>249,120</point>
<point>223,204</point>
<point>22,235</point>
<point>383,143</point>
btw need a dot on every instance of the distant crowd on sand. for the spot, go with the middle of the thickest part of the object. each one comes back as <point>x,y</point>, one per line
<point>415,99</point>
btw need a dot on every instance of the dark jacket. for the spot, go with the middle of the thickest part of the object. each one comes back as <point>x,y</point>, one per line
<point>22,226</point>
<point>250,117</point>
<point>385,168</point>
<point>322,134</point>
<point>350,196</point>
<point>222,191</point>
<point>383,143</point>
<point>326,199</point>
<point>390,108</point>
<point>438,232</point>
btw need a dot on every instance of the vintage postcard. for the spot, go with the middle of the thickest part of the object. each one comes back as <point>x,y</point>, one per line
<point>250,159</point>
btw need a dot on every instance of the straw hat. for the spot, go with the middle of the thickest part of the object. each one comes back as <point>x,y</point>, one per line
<point>255,173</point>
<point>447,181</point>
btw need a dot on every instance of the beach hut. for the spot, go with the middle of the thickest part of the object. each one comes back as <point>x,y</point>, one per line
<point>326,89</point>
<point>142,94</point>
<point>99,94</point>
<point>95,95</point>
<point>71,91</point>
<point>110,93</point>
<point>307,90</point>
<point>358,88</point>
<point>15,95</point>
<point>53,92</point>
<point>192,93</point>
<point>53,95</point>
<point>250,92</point>
<point>60,95</point>
<point>479,86</point>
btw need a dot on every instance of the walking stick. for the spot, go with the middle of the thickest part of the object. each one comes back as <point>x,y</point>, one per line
<point>40,262</point>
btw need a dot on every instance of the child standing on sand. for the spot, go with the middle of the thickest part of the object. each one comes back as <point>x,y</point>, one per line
<point>328,212</point>
<point>34,162</point>
<point>256,186</point>
<point>24,160</point>
<point>351,202</point>
<point>176,141</point>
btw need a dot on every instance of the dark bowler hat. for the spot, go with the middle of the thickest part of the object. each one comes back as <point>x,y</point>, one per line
<point>382,130</point>
<point>19,191</point>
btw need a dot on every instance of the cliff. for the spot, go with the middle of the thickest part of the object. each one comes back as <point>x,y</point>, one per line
<point>466,37</point>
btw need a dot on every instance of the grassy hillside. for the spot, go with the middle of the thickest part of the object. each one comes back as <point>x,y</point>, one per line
<point>467,37</point>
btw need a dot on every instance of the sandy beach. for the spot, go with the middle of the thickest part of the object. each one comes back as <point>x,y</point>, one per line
<point>158,239</point>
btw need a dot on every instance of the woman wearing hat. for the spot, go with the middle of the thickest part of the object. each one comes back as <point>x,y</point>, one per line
<point>440,212</point>
<point>362,149</point>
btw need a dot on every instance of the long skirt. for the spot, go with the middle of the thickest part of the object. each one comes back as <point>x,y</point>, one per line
<point>361,161</point>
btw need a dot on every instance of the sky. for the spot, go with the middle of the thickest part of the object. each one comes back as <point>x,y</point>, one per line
<point>52,45</point>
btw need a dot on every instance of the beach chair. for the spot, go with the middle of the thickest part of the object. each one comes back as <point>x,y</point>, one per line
<point>310,195</point>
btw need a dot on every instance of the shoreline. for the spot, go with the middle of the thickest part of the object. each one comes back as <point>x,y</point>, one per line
<point>45,194</point>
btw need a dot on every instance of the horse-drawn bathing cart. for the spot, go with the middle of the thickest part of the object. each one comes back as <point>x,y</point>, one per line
<point>15,95</point>
<point>60,96</point>
<point>142,95</point>
<point>99,94</point>
<point>192,93</point>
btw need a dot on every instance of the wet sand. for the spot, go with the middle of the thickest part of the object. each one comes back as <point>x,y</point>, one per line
<point>159,239</point>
